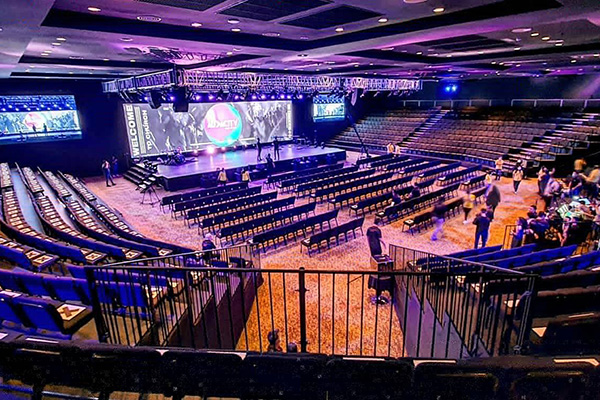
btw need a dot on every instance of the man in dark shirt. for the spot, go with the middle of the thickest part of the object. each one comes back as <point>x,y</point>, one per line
<point>482,230</point>
<point>270,164</point>
<point>438,216</point>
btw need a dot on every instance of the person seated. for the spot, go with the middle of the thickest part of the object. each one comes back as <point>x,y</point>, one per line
<point>415,192</point>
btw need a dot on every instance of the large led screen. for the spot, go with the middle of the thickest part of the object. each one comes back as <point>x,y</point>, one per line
<point>159,131</point>
<point>328,108</point>
<point>34,119</point>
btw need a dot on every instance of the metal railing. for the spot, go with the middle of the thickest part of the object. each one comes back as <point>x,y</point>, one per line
<point>188,301</point>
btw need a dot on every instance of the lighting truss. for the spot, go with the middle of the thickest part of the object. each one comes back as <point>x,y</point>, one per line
<point>207,81</point>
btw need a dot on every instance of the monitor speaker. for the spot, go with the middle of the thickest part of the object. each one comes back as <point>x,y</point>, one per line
<point>155,100</point>
<point>181,102</point>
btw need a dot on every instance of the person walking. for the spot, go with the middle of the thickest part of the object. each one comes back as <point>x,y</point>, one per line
<point>439,215</point>
<point>468,204</point>
<point>517,177</point>
<point>492,199</point>
<point>499,164</point>
<point>258,149</point>
<point>107,174</point>
<point>222,178</point>
<point>482,230</point>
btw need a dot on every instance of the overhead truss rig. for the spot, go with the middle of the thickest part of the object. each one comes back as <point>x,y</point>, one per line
<point>201,81</point>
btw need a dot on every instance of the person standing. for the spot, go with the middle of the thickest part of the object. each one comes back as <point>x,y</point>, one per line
<point>543,177</point>
<point>591,182</point>
<point>580,165</point>
<point>276,148</point>
<point>258,149</point>
<point>517,177</point>
<point>468,204</point>
<point>391,149</point>
<point>439,215</point>
<point>114,163</point>
<point>270,164</point>
<point>499,164</point>
<point>107,174</point>
<point>482,228</point>
<point>519,233</point>
<point>222,178</point>
<point>492,199</point>
<point>246,175</point>
<point>551,190</point>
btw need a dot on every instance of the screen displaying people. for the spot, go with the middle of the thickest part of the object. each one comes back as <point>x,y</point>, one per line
<point>160,131</point>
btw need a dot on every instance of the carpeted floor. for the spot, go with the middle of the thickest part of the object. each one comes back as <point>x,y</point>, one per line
<point>351,309</point>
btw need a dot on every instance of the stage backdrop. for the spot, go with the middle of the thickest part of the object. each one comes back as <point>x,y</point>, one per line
<point>154,132</point>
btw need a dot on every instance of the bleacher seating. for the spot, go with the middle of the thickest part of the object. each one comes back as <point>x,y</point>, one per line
<point>333,233</point>
<point>79,187</point>
<point>31,181</point>
<point>5,176</point>
<point>56,184</point>
<point>25,256</point>
<point>377,130</point>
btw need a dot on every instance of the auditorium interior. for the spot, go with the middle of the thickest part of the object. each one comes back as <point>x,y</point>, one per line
<point>315,199</point>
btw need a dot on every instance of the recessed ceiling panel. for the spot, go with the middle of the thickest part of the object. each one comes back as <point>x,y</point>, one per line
<point>267,10</point>
<point>198,5</point>
<point>465,43</point>
<point>333,17</point>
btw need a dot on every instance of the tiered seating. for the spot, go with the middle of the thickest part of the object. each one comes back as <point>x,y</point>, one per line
<point>56,184</point>
<point>24,256</point>
<point>169,201</point>
<point>181,207</point>
<point>31,181</point>
<point>5,177</point>
<point>377,130</point>
<point>282,233</point>
<point>194,216</point>
<point>214,222</point>
<point>79,187</point>
<point>94,229</point>
<point>265,223</point>
<point>349,174</point>
<point>294,182</point>
<point>17,228</point>
<point>52,220</point>
<point>329,191</point>
<point>333,233</point>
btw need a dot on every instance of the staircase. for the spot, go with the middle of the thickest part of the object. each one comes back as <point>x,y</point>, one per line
<point>424,128</point>
<point>138,173</point>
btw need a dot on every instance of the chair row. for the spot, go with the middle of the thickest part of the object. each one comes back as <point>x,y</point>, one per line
<point>215,222</point>
<point>424,219</point>
<point>538,256</point>
<point>169,201</point>
<point>333,234</point>
<point>293,183</point>
<point>24,256</point>
<point>79,187</point>
<point>435,172</point>
<point>30,180</point>
<point>377,202</point>
<point>574,263</point>
<point>355,184</point>
<point>374,159</point>
<point>276,178</point>
<point>370,191</point>
<point>56,184</point>
<point>282,233</point>
<point>194,216</point>
<point>252,227</point>
<point>399,165</point>
<point>183,206</point>
<point>381,164</point>
<point>460,176</point>
<point>307,188</point>
<point>5,176</point>
<point>419,167</point>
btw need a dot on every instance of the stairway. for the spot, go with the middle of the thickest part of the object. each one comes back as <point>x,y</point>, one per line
<point>424,128</point>
<point>137,174</point>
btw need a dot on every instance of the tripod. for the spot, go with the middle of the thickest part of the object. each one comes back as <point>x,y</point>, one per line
<point>147,188</point>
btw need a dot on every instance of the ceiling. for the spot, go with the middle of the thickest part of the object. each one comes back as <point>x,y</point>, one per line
<point>105,39</point>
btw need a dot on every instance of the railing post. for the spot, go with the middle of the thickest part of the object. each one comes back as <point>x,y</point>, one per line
<point>96,309</point>
<point>302,308</point>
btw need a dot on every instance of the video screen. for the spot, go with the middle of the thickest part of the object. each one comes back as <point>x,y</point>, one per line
<point>327,108</point>
<point>160,131</point>
<point>35,119</point>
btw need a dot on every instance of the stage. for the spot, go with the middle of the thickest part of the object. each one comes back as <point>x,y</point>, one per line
<point>203,171</point>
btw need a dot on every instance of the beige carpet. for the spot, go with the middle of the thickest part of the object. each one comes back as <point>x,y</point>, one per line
<point>350,256</point>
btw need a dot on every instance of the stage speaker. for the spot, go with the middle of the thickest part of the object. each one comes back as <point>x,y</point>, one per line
<point>155,100</point>
<point>181,102</point>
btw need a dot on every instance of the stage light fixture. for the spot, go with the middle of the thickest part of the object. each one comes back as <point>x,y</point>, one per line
<point>236,97</point>
<point>197,97</point>
<point>211,97</point>
<point>289,96</point>
<point>253,97</point>
<point>300,96</point>
<point>210,149</point>
<point>263,96</point>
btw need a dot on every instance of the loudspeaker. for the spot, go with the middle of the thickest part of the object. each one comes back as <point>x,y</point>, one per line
<point>181,102</point>
<point>155,100</point>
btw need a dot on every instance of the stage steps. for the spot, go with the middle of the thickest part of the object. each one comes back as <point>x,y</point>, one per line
<point>137,174</point>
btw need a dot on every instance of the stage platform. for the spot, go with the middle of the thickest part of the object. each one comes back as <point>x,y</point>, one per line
<point>203,171</point>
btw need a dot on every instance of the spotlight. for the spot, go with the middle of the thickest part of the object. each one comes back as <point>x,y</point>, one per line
<point>263,96</point>
<point>211,97</point>
<point>236,97</point>
<point>300,96</point>
<point>289,97</point>
<point>210,149</point>
<point>272,97</point>
<point>253,97</point>
<point>282,96</point>
<point>171,97</point>
<point>197,97</point>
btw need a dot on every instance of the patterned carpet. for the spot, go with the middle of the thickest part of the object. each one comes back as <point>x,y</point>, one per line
<point>343,309</point>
